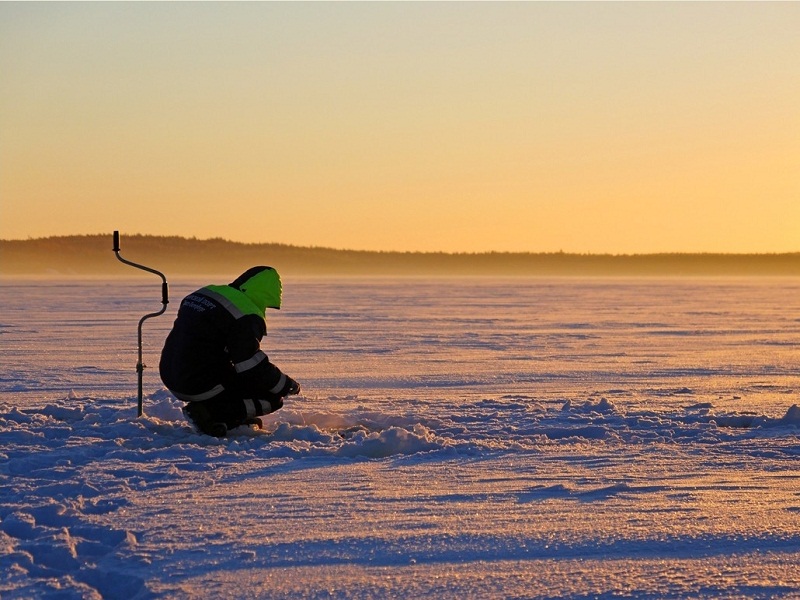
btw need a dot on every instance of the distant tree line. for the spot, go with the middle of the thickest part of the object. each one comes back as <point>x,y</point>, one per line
<point>92,255</point>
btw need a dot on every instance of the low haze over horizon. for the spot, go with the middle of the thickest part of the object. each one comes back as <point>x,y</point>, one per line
<point>618,128</point>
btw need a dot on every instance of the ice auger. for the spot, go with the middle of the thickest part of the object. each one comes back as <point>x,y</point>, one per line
<point>164,301</point>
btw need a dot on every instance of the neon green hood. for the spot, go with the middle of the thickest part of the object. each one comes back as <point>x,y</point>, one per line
<point>262,285</point>
<point>252,293</point>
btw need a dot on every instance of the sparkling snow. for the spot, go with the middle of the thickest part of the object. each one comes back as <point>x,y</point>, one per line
<point>456,438</point>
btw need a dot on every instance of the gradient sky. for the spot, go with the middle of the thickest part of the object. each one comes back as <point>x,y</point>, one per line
<point>582,127</point>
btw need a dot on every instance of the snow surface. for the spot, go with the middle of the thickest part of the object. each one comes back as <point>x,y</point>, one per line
<point>456,439</point>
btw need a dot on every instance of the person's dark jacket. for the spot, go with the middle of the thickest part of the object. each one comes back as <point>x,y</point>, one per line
<point>215,343</point>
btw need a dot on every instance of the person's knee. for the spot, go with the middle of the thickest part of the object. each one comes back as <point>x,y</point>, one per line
<point>258,407</point>
<point>271,404</point>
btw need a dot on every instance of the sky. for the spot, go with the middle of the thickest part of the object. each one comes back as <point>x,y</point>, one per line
<point>591,127</point>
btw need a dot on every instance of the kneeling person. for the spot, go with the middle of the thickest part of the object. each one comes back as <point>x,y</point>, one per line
<point>212,359</point>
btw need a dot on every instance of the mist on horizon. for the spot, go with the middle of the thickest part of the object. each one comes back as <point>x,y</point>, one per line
<point>176,256</point>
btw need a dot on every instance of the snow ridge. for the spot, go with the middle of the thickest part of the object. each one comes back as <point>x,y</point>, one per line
<point>77,460</point>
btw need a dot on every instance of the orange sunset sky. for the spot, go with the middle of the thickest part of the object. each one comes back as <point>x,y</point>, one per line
<point>461,127</point>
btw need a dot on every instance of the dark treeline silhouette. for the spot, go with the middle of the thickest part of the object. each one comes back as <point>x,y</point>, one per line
<point>92,255</point>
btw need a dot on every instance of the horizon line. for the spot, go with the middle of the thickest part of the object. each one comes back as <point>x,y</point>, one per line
<point>423,252</point>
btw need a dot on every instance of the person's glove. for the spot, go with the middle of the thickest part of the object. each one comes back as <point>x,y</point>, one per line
<point>274,402</point>
<point>290,388</point>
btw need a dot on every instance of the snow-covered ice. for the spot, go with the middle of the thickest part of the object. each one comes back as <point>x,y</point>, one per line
<point>456,438</point>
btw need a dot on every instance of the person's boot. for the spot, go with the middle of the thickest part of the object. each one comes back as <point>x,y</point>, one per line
<point>199,416</point>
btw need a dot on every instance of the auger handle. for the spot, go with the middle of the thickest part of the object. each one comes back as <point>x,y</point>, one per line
<point>164,301</point>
